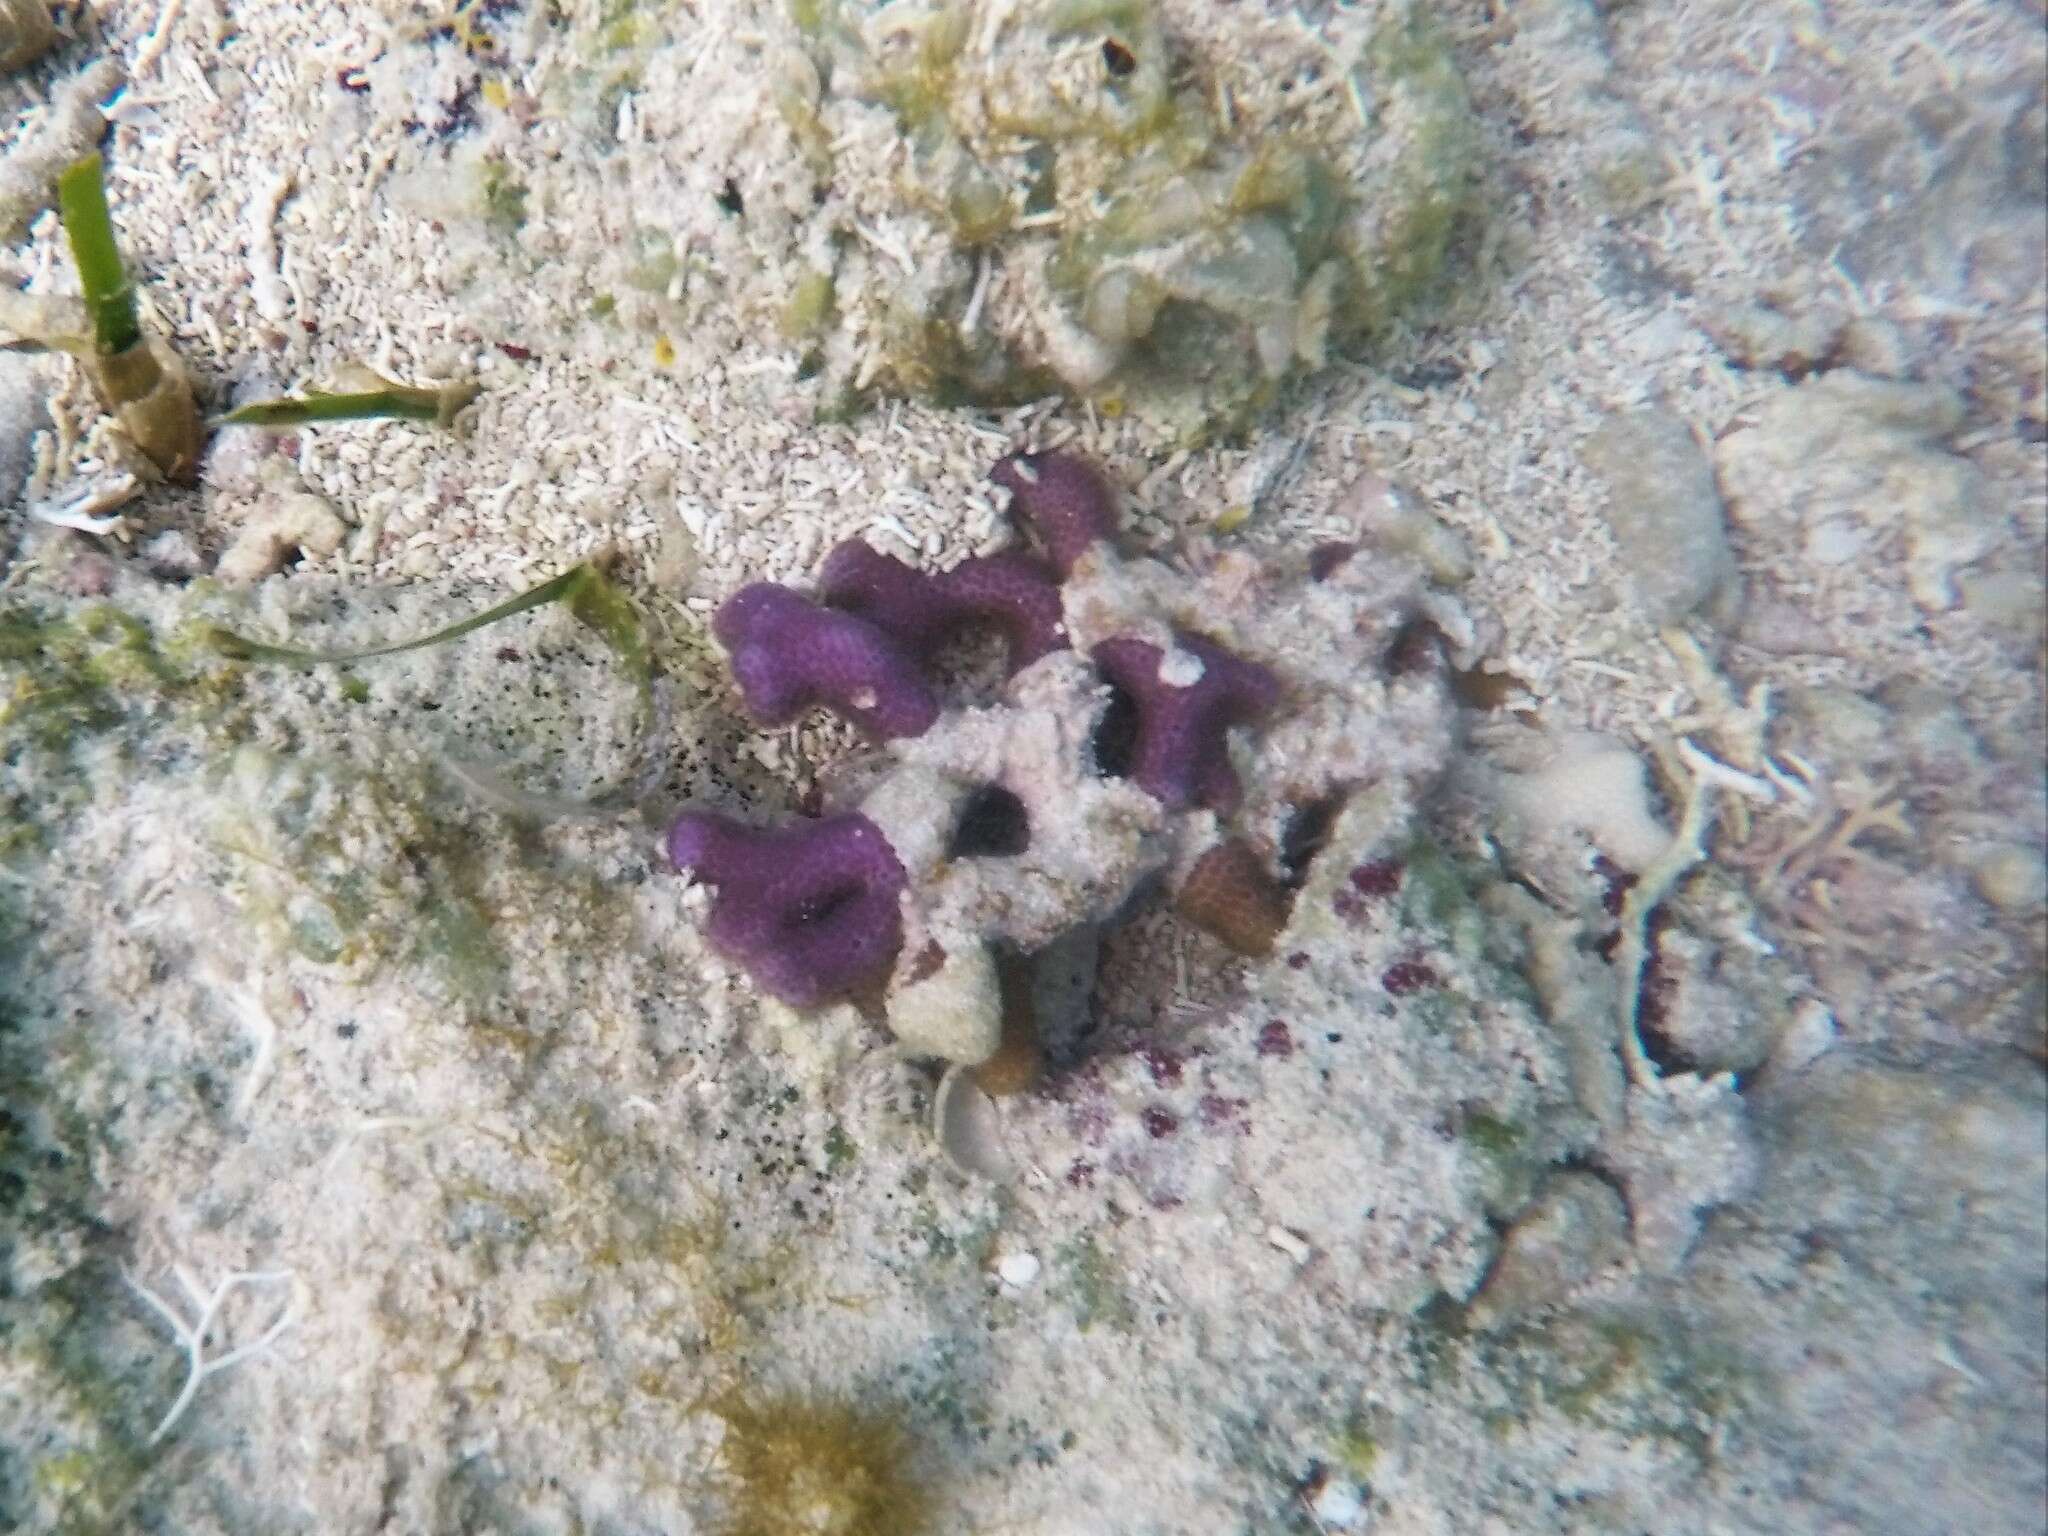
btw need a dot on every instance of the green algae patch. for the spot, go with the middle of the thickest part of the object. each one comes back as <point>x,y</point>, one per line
<point>1094,1287</point>
<point>364,870</point>
<point>66,676</point>
<point>1636,1375</point>
<point>808,1466</point>
<point>77,687</point>
<point>79,1470</point>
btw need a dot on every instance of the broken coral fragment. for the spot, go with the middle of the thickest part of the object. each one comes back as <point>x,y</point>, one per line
<point>951,1006</point>
<point>1231,895</point>
<point>1127,199</point>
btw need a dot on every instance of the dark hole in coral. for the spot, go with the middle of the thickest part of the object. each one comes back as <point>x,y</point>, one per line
<point>1653,1012</point>
<point>993,824</point>
<point>821,906</point>
<point>1116,736</point>
<point>1432,374</point>
<point>729,197</point>
<point>1305,835</point>
<point>1118,59</point>
<point>1477,688</point>
<point>1327,557</point>
<point>1666,1052</point>
<point>1417,646</point>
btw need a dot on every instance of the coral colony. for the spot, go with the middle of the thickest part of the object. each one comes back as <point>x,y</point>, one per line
<point>1114,760</point>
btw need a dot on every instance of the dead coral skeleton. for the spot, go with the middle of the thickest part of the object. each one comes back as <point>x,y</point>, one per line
<point>1797,869</point>
<point>193,1336</point>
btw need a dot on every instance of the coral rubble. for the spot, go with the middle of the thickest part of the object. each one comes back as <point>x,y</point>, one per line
<point>1114,199</point>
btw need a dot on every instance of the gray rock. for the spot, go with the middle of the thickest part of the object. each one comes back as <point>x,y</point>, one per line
<point>22,415</point>
<point>1942,194</point>
<point>1573,1230</point>
<point>1665,512</point>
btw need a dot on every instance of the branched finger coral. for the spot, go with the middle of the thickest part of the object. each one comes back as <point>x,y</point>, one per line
<point>1184,704</point>
<point>788,654</point>
<point>1012,593</point>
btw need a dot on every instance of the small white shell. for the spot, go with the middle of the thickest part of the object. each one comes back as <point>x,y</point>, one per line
<point>969,1128</point>
<point>1018,1269</point>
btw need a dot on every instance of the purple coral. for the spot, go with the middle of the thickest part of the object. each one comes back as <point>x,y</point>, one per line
<point>1179,753</point>
<point>813,911</point>
<point>810,910</point>
<point>1013,593</point>
<point>788,654</point>
<point>1062,498</point>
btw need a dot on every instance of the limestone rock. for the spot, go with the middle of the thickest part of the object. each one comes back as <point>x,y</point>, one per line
<point>1664,510</point>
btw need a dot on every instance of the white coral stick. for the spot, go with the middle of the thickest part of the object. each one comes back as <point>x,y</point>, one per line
<point>192,1336</point>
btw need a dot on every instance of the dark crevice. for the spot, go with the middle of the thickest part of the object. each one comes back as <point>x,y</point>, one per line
<point>1417,647</point>
<point>1306,834</point>
<point>821,906</point>
<point>993,824</point>
<point>1116,736</point>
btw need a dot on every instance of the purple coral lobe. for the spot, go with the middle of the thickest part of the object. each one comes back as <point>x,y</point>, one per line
<point>1181,755</point>
<point>1013,593</point>
<point>1063,500</point>
<point>810,910</point>
<point>789,654</point>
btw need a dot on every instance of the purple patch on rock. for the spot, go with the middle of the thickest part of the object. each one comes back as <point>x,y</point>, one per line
<point>1406,976</point>
<point>1377,877</point>
<point>1276,1040</point>
<point>1162,1064</point>
<point>1159,1123</point>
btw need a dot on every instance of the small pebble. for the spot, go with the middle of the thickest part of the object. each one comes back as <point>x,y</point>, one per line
<point>1293,1244</point>
<point>1338,1505</point>
<point>2012,878</point>
<point>1018,1269</point>
<point>1669,529</point>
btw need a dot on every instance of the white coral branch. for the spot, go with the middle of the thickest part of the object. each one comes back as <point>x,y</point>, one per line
<point>192,1336</point>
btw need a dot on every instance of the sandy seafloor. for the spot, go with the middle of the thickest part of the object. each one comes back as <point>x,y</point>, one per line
<point>325,997</point>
